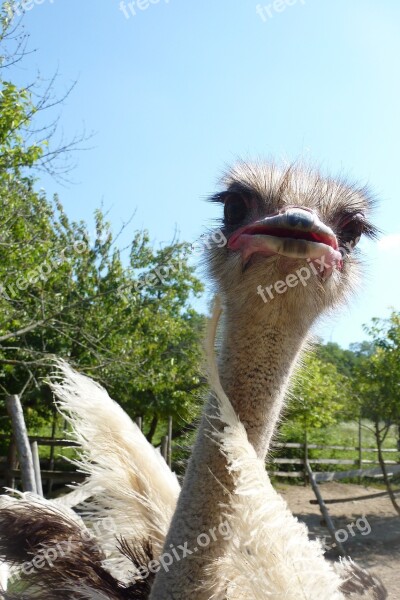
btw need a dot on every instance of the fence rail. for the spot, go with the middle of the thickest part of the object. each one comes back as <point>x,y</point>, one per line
<point>375,472</point>
<point>319,447</point>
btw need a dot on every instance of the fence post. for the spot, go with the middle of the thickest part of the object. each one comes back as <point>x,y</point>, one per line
<point>164,447</point>
<point>14,409</point>
<point>324,511</point>
<point>359,447</point>
<point>306,478</point>
<point>52,451</point>
<point>36,467</point>
<point>169,454</point>
<point>139,422</point>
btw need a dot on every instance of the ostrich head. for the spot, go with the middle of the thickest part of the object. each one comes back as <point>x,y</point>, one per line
<point>291,231</point>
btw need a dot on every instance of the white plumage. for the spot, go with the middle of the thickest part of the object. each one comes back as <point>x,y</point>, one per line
<point>128,482</point>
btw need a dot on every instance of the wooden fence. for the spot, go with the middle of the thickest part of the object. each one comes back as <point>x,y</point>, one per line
<point>50,474</point>
<point>375,472</point>
<point>10,471</point>
<point>25,464</point>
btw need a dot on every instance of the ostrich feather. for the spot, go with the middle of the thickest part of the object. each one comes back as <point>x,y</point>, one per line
<point>359,584</point>
<point>129,485</point>
<point>52,553</point>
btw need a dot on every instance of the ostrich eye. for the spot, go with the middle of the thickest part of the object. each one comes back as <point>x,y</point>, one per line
<point>351,230</point>
<point>235,209</point>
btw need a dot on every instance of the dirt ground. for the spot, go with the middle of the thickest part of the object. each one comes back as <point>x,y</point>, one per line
<point>372,541</point>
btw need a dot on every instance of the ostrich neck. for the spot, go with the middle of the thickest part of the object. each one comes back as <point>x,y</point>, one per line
<point>256,358</point>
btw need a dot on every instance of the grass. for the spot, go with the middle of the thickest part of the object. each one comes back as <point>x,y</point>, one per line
<point>60,452</point>
<point>341,434</point>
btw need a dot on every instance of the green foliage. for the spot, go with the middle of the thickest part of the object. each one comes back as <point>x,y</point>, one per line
<point>16,109</point>
<point>66,295</point>
<point>378,373</point>
<point>337,387</point>
<point>318,396</point>
<point>344,361</point>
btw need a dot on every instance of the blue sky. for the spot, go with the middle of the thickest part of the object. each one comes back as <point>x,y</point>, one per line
<point>180,89</point>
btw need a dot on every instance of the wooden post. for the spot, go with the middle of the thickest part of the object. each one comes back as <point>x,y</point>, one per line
<point>169,461</point>
<point>14,409</point>
<point>164,447</point>
<point>139,422</point>
<point>359,446</point>
<point>324,511</point>
<point>306,481</point>
<point>52,452</point>
<point>36,466</point>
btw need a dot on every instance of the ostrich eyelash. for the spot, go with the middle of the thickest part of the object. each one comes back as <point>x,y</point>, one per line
<point>357,219</point>
<point>221,197</point>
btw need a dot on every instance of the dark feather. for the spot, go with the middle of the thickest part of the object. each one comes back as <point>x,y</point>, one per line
<point>57,557</point>
<point>360,582</point>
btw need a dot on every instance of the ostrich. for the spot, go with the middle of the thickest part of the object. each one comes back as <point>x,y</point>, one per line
<point>279,224</point>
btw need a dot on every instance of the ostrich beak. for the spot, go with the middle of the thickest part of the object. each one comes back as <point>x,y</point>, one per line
<point>295,233</point>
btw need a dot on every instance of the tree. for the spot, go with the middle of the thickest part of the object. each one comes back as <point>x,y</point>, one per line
<point>67,295</point>
<point>317,399</point>
<point>378,383</point>
<point>343,360</point>
<point>318,396</point>
<point>26,141</point>
<point>127,321</point>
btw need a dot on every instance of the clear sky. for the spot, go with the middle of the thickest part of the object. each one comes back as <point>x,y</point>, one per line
<point>177,89</point>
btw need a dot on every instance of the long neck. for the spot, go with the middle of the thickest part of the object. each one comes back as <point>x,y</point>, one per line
<point>257,355</point>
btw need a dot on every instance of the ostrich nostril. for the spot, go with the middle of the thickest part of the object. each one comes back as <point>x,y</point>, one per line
<point>300,218</point>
